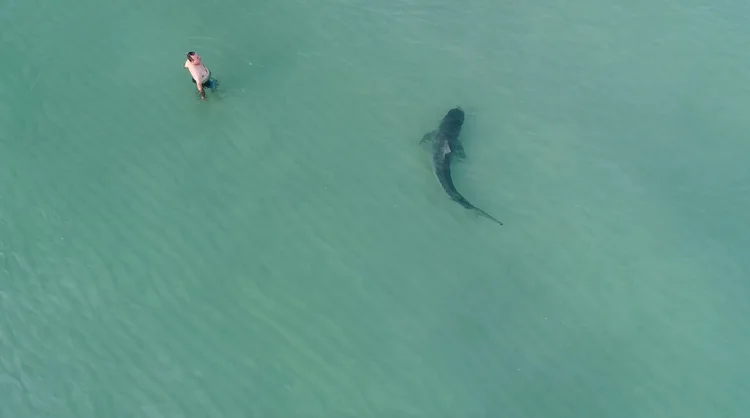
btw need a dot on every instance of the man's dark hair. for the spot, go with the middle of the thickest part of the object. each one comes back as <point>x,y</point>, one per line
<point>190,55</point>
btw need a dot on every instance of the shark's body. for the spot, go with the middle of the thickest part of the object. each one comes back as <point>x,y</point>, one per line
<point>445,145</point>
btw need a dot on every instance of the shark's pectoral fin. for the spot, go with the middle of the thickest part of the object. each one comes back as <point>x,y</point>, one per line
<point>458,150</point>
<point>428,136</point>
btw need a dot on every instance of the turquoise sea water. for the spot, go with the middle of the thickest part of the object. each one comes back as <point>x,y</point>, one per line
<point>283,250</point>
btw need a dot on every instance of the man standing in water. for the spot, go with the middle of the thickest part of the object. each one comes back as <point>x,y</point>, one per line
<point>201,75</point>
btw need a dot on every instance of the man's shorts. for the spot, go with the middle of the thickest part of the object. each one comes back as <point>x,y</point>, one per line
<point>208,84</point>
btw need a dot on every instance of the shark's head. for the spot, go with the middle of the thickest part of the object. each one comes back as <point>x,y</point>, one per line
<point>455,115</point>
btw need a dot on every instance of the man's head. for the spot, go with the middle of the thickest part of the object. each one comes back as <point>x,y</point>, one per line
<point>193,57</point>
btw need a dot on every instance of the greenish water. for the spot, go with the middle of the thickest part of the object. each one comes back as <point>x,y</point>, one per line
<point>283,250</point>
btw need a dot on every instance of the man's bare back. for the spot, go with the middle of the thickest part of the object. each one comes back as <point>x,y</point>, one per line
<point>198,71</point>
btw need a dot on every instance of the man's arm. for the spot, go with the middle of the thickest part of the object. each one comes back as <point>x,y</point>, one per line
<point>200,87</point>
<point>198,84</point>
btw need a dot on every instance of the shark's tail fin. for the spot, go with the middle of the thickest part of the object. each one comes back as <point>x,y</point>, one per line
<point>465,203</point>
<point>487,215</point>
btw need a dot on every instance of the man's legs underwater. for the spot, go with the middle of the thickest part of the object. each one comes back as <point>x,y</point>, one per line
<point>208,84</point>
